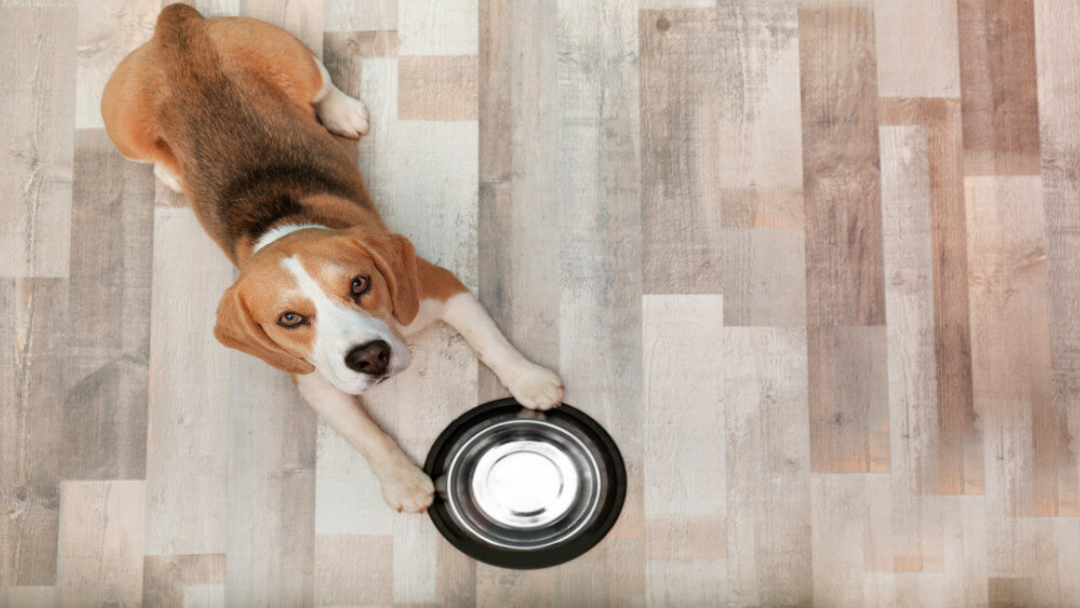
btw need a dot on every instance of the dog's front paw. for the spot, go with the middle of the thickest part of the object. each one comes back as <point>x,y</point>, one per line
<point>343,115</point>
<point>408,489</point>
<point>535,387</point>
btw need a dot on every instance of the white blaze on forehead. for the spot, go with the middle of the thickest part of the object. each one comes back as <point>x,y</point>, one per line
<point>339,329</point>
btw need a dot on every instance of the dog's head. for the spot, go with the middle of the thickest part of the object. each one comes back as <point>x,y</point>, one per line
<point>327,301</point>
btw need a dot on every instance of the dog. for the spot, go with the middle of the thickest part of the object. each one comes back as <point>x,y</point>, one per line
<point>237,115</point>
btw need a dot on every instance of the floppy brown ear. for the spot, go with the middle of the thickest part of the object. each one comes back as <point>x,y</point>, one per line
<point>395,257</point>
<point>236,329</point>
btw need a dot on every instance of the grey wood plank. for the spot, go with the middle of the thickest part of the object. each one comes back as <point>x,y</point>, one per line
<point>271,487</point>
<point>763,276</point>
<point>36,119</point>
<point>109,312</point>
<point>680,110</point>
<point>187,449</point>
<point>763,382</point>
<point>166,576</point>
<point>32,331</point>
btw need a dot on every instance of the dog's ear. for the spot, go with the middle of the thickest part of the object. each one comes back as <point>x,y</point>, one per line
<point>237,329</point>
<point>395,258</point>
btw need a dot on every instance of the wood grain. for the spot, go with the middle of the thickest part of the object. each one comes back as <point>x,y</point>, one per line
<point>349,570</point>
<point>844,280</point>
<point>166,576</point>
<point>680,213</point>
<point>187,446</point>
<point>961,469</point>
<point>437,88</point>
<point>33,325</point>
<point>763,276</point>
<point>101,543</point>
<point>917,48</point>
<point>108,354</point>
<point>849,407</point>
<point>438,27</point>
<point>1000,92</point>
<point>36,118</point>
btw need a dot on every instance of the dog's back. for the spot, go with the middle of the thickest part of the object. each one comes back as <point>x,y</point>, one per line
<point>228,102</point>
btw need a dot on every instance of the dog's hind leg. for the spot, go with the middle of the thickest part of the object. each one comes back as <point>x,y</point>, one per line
<point>339,113</point>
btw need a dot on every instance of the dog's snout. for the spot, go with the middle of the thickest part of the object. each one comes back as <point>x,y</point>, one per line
<point>371,358</point>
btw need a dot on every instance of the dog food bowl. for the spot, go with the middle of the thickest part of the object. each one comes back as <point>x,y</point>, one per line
<point>523,489</point>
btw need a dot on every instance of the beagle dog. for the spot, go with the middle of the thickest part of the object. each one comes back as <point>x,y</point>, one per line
<point>236,114</point>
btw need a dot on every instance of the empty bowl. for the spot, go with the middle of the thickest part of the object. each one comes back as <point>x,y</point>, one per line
<point>518,488</point>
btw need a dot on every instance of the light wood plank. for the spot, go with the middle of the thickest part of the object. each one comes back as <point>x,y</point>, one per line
<point>844,276</point>
<point>912,367</point>
<point>32,329</point>
<point>960,449</point>
<point>437,88</point>
<point>271,487</point>
<point>29,596</point>
<point>1059,89</point>
<point>360,15</point>
<point>303,18</point>
<point>693,582</point>
<point>917,48</point>
<point>101,543</point>
<point>438,27</point>
<point>766,403</point>
<point>108,31</point>
<point>109,342</point>
<point>352,570</point>
<point>839,507</point>
<point>760,161</point>
<point>36,118</point>
<point>187,451</point>
<point>682,338</point>
<point>680,113</point>
<point>1000,93</point>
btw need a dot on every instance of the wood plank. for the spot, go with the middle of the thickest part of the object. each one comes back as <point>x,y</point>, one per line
<point>915,528</point>
<point>32,327</point>
<point>1059,89</point>
<point>303,18</point>
<point>849,407</point>
<point>960,448</point>
<point>437,88</point>
<point>352,570</point>
<point>108,31</point>
<point>38,45</point>
<point>844,275</point>
<point>166,576</point>
<point>29,596</point>
<point>692,582</point>
<point>760,163</point>
<point>518,238</point>
<point>271,487</point>
<point>1000,92</point>
<point>360,15</point>
<point>838,505</point>
<point>438,27</point>
<point>109,337</point>
<point>680,113</point>
<point>765,393</point>
<point>187,450</point>
<point>1011,355</point>
<point>682,341</point>
<point>917,48</point>
<point>763,276</point>
<point>101,543</point>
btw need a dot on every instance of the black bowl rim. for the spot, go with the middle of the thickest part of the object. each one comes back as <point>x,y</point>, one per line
<point>540,558</point>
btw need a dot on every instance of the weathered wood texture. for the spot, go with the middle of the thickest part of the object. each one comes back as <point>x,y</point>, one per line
<point>813,263</point>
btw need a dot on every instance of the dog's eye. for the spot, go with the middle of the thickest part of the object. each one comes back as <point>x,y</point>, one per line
<point>360,285</point>
<point>290,319</point>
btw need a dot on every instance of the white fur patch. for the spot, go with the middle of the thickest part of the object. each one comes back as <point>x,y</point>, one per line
<point>276,233</point>
<point>338,330</point>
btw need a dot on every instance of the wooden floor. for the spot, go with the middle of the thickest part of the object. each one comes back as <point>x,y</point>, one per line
<point>814,263</point>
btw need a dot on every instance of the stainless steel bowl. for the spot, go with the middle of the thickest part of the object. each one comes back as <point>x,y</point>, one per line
<point>524,489</point>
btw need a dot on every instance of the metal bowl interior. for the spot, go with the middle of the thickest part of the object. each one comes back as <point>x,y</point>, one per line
<point>525,489</point>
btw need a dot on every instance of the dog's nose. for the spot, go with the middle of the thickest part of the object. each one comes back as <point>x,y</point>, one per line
<point>371,358</point>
